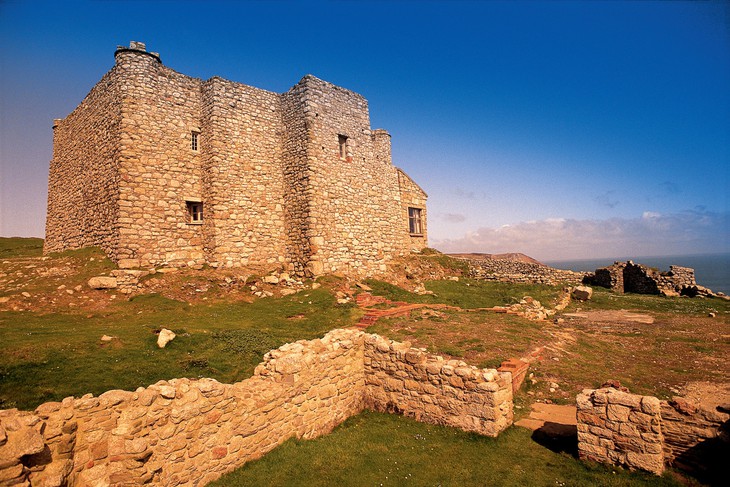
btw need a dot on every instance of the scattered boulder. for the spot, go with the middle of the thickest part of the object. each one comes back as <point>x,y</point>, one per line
<point>165,337</point>
<point>271,279</point>
<point>103,282</point>
<point>363,286</point>
<point>582,293</point>
<point>106,338</point>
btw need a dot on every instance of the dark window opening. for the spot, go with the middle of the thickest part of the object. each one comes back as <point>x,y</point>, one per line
<point>194,140</point>
<point>343,146</point>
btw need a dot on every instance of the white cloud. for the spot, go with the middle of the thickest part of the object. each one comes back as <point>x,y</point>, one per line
<point>692,231</point>
<point>453,217</point>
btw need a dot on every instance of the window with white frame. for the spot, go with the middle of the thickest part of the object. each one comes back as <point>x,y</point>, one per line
<point>194,136</point>
<point>195,212</point>
<point>415,224</point>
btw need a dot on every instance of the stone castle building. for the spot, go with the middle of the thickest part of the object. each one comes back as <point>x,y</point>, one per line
<point>159,168</point>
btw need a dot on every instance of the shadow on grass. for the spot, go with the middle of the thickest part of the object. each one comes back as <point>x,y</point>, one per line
<point>558,438</point>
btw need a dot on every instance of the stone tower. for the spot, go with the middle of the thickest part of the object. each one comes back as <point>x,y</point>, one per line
<point>158,168</point>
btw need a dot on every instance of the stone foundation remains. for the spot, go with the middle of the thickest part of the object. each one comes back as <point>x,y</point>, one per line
<point>642,432</point>
<point>190,432</point>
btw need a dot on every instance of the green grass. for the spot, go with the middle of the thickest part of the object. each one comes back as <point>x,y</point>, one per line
<point>20,247</point>
<point>468,293</point>
<point>47,357</point>
<point>389,450</point>
<point>606,299</point>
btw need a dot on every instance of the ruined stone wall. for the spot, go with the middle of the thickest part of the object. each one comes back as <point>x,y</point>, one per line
<point>514,271</point>
<point>619,428</point>
<point>190,432</point>
<point>158,169</point>
<point>641,432</point>
<point>691,432</point>
<point>411,382</point>
<point>637,278</point>
<point>244,179</point>
<point>187,432</point>
<point>354,221</point>
<point>412,196</point>
<point>83,178</point>
<point>611,277</point>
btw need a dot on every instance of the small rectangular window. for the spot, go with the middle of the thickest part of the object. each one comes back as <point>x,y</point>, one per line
<point>194,140</point>
<point>415,225</point>
<point>195,212</point>
<point>343,146</point>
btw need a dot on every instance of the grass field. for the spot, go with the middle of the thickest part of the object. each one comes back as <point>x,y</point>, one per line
<point>374,449</point>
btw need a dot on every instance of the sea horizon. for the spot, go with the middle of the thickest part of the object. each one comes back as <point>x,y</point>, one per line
<point>712,270</point>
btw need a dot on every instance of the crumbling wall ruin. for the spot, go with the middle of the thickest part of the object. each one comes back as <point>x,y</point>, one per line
<point>638,278</point>
<point>642,432</point>
<point>190,432</point>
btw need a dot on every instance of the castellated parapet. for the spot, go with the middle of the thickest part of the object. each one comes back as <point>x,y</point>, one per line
<point>161,169</point>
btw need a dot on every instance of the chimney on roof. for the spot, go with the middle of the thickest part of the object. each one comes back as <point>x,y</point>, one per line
<point>139,46</point>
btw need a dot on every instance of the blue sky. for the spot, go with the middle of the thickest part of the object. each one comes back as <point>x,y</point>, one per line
<point>558,129</point>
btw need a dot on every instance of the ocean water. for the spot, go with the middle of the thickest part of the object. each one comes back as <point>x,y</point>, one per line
<point>711,270</point>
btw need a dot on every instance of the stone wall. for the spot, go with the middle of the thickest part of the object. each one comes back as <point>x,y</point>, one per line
<point>190,432</point>
<point>692,432</point>
<point>412,196</point>
<point>158,170</point>
<point>621,429</point>
<point>515,271</point>
<point>243,176</point>
<point>637,278</point>
<point>83,189</point>
<point>642,432</point>
<point>428,388</point>
<point>277,185</point>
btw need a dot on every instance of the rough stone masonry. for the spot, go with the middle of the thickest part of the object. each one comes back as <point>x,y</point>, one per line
<point>158,168</point>
<point>190,432</point>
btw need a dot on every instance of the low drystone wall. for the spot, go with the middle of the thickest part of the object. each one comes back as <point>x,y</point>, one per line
<point>428,388</point>
<point>644,433</point>
<point>515,271</point>
<point>190,432</point>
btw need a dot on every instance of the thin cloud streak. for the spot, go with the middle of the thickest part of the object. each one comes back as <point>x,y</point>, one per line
<point>687,232</point>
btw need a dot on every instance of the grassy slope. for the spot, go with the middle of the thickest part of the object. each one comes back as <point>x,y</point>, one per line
<point>20,247</point>
<point>61,354</point>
